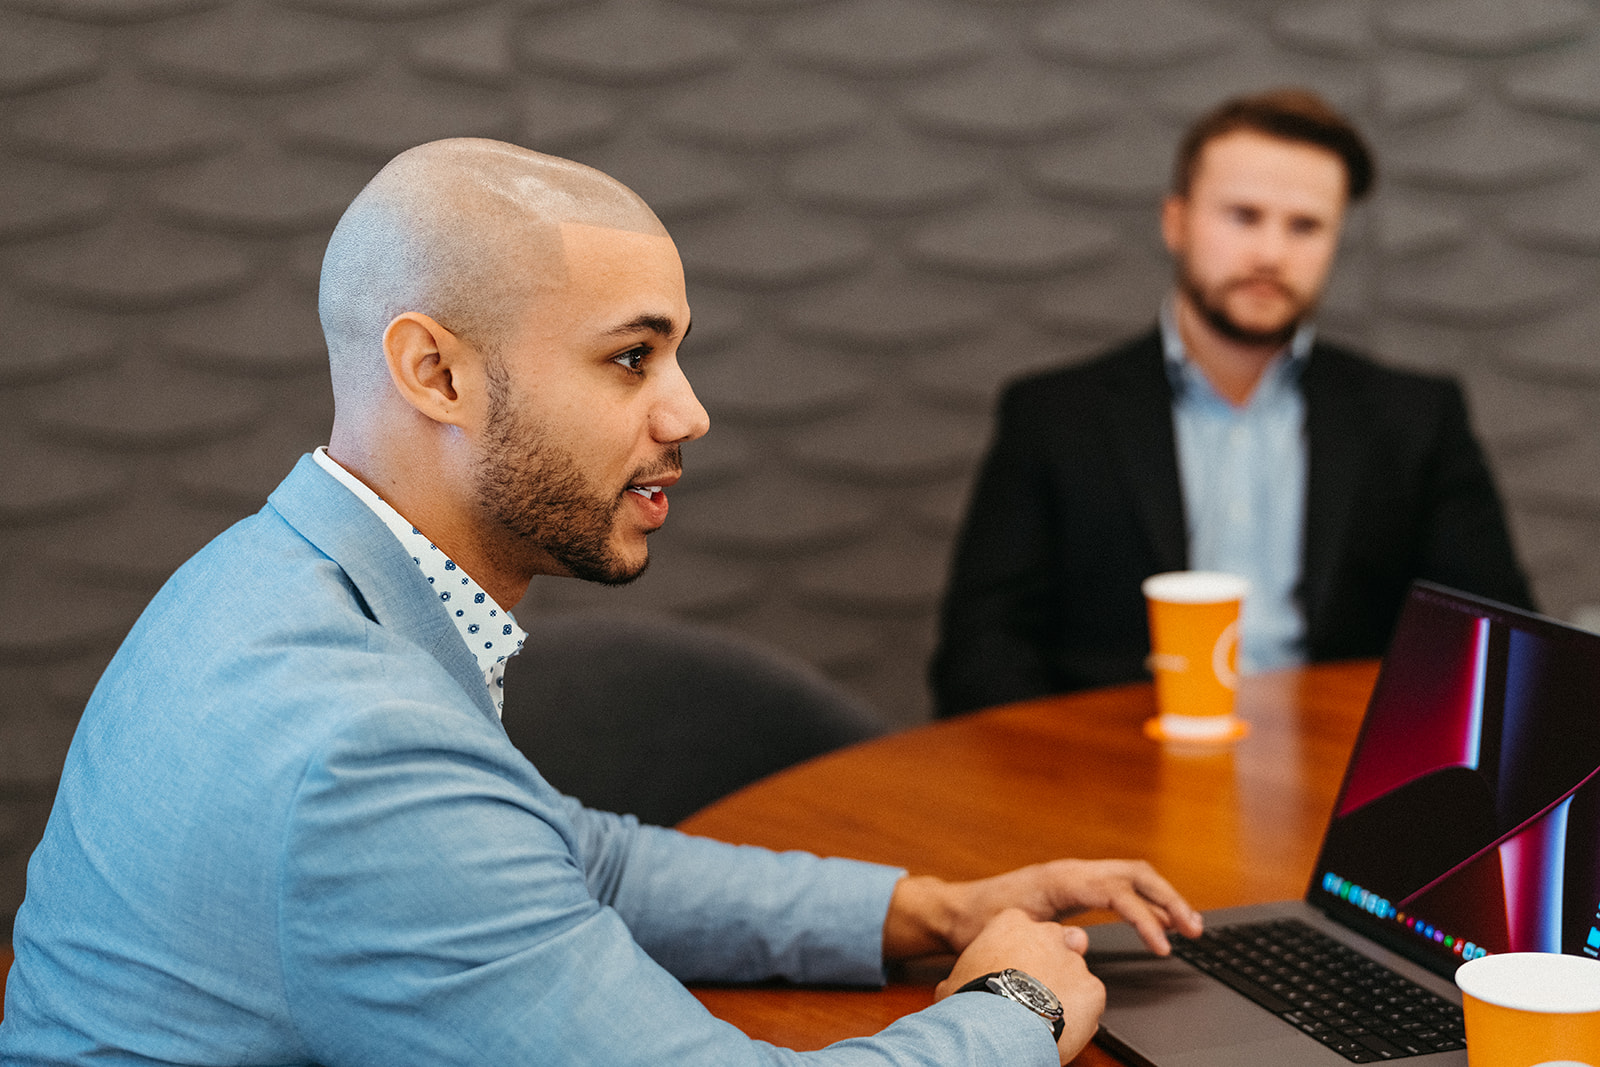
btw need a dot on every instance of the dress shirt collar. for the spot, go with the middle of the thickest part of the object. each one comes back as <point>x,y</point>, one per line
<point>488,630</point>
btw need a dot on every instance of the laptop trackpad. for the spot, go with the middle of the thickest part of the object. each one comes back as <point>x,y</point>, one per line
<point>1166,1012</point>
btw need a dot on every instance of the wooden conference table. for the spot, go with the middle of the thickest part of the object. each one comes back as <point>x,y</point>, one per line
<point>1063,776</point>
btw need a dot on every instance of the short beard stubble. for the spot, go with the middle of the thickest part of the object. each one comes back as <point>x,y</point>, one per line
<point>1212,308</point>
<point>530,486</point>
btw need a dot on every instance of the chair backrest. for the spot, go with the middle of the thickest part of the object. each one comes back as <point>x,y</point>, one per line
<point>657,718</point>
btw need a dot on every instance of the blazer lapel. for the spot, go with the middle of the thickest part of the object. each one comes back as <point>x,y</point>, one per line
<point>1138,413</point>
<point>397,596</point>
<point>1337,443</point>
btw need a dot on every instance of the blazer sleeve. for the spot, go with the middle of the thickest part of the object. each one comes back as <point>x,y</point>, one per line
<point>1467,543</point>
<point>435,907</point>
<point>992,621</point>
<point>1399,490</point>
<point>765,915</point>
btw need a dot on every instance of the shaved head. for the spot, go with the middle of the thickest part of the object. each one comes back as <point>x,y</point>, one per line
<point>465,231</point>
<point>503,331</point>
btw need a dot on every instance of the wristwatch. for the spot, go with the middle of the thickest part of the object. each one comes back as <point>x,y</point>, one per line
<point>1026,990</point>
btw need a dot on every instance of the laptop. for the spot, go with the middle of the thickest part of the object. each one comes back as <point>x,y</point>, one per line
<point>1468,822</point>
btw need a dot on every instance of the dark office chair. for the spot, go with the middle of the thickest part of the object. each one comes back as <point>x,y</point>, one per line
<point>657,718</point>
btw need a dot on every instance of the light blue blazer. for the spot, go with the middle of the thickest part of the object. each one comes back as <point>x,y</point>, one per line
<point>290,830</point>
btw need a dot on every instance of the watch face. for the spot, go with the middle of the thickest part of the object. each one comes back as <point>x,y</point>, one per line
<point>1031,992</point>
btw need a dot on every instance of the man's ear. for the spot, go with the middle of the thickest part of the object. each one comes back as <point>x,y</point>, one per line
<point>1174,211</point>
<point>432,368</point>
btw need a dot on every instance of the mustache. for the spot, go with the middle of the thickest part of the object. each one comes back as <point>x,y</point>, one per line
<point>1263,279</point>
<point>669,462</point>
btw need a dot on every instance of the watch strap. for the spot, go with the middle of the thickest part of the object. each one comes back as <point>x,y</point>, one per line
<point>1000,984</point>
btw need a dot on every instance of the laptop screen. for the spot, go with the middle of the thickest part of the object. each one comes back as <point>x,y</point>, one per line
<point>1469,818</point>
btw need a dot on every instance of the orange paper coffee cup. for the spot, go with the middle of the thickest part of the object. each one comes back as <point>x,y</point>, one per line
<point>1194,651</point>
<point>1531,1009</point>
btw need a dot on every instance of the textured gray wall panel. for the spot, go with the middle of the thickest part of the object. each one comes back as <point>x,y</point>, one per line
<point>887,208</point>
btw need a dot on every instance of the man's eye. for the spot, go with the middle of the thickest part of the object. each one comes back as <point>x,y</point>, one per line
<point>633,359</point>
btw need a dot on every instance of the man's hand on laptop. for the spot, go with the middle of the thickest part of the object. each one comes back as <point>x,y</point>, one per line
<point>1045,951</point>
<point>929,915</point>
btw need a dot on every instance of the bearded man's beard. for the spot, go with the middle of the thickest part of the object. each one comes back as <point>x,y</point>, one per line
<point>532,487</point>
<point>1212,306</point>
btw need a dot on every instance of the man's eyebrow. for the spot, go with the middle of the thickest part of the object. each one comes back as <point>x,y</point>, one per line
<point>659,324</point>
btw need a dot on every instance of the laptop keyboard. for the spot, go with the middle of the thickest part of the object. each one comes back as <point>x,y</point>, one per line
<point>1352,1004</point>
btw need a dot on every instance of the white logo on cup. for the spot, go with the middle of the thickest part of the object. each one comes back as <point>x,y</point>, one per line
<point>1226,642</point>
<point>1166,661</point>
<point>1563,1063</point>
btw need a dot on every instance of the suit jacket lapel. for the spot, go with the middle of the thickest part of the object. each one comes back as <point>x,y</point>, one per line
<point>397,595</point>
<point>1138,413</point>
<point>1337,443</point>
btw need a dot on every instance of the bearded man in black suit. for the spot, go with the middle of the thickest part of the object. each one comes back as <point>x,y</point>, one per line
<point>1228,438</point>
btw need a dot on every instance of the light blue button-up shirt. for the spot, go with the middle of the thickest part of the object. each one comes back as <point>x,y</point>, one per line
<point>1243,473</point>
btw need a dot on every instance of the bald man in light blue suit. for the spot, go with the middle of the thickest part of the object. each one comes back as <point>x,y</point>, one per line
<point>291,829</point>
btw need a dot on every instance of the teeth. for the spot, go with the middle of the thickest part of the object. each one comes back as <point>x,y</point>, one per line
<point>645,491</point>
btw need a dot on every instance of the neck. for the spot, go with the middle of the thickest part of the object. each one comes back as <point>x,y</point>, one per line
<point>410,486</point>
<point>1234,368</point>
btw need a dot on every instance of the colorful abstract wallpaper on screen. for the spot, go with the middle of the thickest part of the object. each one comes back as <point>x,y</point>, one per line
<point>1470,815</point>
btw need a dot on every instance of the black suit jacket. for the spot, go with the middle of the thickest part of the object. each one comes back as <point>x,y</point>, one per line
<point>1079,500</point>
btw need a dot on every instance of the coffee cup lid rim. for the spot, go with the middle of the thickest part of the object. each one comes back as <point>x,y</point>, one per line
<point>1533,981</point>
<point>1195,587</point>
